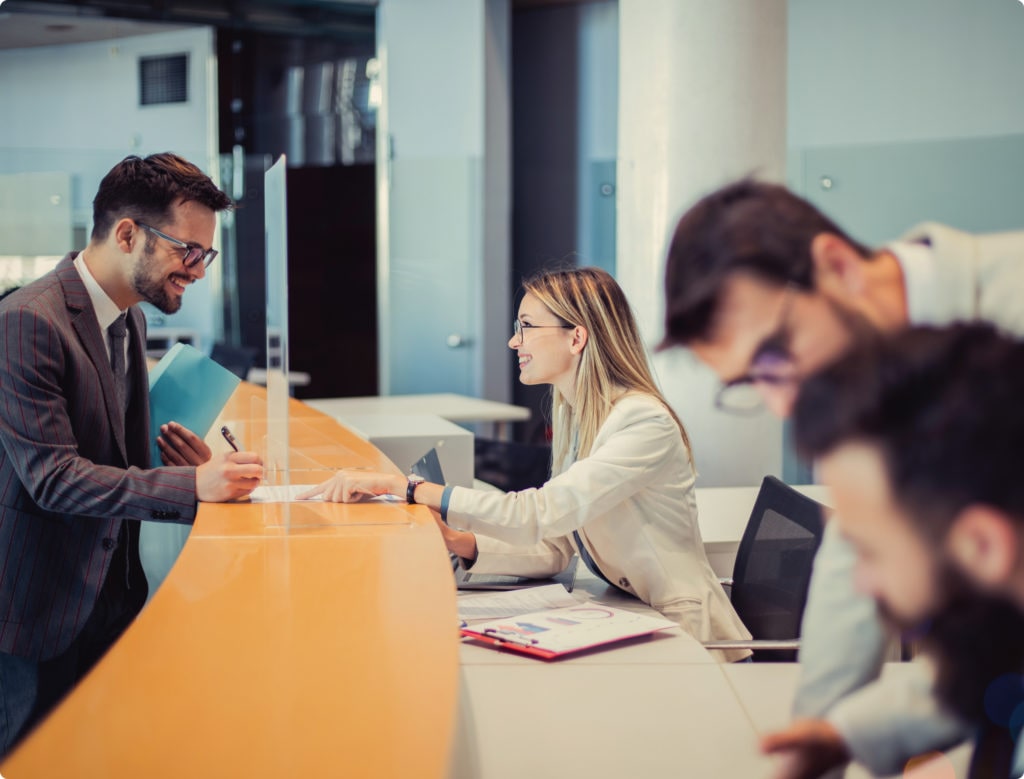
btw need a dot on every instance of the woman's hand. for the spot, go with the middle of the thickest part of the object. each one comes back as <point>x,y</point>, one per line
<point>180,446</point>
<point>348,486</point>
<point>459,542</point>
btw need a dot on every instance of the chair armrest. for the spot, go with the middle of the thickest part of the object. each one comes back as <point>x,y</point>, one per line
<point>754,644</point>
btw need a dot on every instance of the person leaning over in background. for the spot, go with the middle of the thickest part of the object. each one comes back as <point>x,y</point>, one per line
<point>919,439</point>
<point>765,289</point>
<point>75,475</point>
<point>622,490</point>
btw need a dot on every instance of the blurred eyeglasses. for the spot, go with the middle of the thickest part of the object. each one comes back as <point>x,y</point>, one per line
<point>771,370</point>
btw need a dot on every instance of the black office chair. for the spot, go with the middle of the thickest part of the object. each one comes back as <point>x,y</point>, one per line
<point>773,571</point>
<point>237,359</point>
<point>511,466</point>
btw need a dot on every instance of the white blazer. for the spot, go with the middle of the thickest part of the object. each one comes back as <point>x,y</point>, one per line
<point>632,502</point>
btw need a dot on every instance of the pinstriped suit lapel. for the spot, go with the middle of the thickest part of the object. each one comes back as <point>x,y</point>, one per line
<point>83,319</point>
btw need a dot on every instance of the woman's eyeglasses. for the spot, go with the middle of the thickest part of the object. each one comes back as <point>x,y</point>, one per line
<point>518,328</point>
<point>194,254</point>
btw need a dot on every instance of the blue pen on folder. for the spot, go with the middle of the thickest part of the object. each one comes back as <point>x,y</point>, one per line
<point>229,437</point>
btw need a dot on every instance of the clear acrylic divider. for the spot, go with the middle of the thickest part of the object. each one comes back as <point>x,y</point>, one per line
<point>310,456</point>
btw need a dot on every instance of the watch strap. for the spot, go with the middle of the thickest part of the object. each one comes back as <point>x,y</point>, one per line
<point>410,490</point>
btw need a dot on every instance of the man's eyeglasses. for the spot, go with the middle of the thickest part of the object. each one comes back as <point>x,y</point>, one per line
<point>771,369</point>
<point>519,327</point>
<point>194,253</point>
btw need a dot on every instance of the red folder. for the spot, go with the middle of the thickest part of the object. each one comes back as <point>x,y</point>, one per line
<point>557,632</point>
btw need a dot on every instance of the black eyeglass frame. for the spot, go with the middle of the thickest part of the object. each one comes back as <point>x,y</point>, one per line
<point>518,328</point>
<point>205,256</point>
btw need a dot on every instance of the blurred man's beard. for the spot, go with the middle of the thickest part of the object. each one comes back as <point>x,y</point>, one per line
<point>975,638</point>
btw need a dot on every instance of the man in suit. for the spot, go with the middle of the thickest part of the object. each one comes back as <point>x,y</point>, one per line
<point>765,289</point>
<point>75,475</point>
<point>918,438</point>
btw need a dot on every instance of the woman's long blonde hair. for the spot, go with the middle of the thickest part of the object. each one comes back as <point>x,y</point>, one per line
<point>612,362</point>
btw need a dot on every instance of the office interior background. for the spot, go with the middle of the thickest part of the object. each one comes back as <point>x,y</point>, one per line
<point>440,150</point>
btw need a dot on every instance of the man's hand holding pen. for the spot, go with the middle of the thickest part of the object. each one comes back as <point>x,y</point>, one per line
<point>229,475</point>
<point>219,477</point>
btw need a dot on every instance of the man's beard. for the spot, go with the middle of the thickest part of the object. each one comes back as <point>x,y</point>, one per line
<point>977,642</point>
<point>153,289</point>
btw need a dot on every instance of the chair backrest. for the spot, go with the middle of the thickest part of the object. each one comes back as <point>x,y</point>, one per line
<point>511,466</point>
<point>773,563</point>
<point>237,359</point>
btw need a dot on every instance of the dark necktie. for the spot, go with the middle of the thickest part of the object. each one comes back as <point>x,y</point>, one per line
<point>118,332</point>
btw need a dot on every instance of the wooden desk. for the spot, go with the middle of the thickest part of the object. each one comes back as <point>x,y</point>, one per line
<point>454,408</point>
<point>330,650</point>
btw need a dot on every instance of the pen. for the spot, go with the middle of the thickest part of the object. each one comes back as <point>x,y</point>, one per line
<point>508,638</point>
<point>229,438</point>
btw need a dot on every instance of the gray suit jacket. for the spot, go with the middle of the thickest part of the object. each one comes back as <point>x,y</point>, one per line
<point>72,468</point>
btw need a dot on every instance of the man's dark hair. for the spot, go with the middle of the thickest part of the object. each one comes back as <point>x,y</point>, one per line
<point>750,226</point>
<point>146,189</point>
<point>944,407</point>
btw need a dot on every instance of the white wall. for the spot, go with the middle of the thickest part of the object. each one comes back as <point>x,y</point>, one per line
<point>702,100</point>
<point>884,71</point>
<point>90,119</point>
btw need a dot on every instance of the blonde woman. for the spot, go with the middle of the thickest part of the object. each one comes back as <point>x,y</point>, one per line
<point>621,494</point>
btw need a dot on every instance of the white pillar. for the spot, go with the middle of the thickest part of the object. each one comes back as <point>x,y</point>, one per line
<point>702,101</point>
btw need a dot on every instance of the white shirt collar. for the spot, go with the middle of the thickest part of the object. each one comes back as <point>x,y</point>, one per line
<point>105,308</point>
<point>921,281</point>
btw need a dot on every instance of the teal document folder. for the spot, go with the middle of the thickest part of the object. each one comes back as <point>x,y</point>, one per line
<point>189,388</point>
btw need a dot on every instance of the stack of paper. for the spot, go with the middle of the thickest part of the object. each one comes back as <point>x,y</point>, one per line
<point>490,605</point>
<point>556,632</point>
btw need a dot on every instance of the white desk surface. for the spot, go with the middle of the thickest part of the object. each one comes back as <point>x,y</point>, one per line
<point>650,707</point>
<point>455,408</point>
<point>602,722</point>
<point>765,690</point>
<point>295,378</point>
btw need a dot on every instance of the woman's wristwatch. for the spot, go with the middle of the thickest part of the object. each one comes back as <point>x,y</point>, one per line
<point>410,491</point>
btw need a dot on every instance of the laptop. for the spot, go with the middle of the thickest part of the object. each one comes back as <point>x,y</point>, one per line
<point>429,467</point>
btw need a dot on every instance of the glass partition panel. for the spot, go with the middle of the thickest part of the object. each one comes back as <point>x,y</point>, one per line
<point>275,210</point>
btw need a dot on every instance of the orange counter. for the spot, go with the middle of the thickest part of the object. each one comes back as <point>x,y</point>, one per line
<point>326,650</point>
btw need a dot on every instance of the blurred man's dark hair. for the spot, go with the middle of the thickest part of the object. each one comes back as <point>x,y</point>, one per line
<point>763,229</point>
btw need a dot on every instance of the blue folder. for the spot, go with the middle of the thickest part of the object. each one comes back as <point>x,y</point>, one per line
<point>189,388</point>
